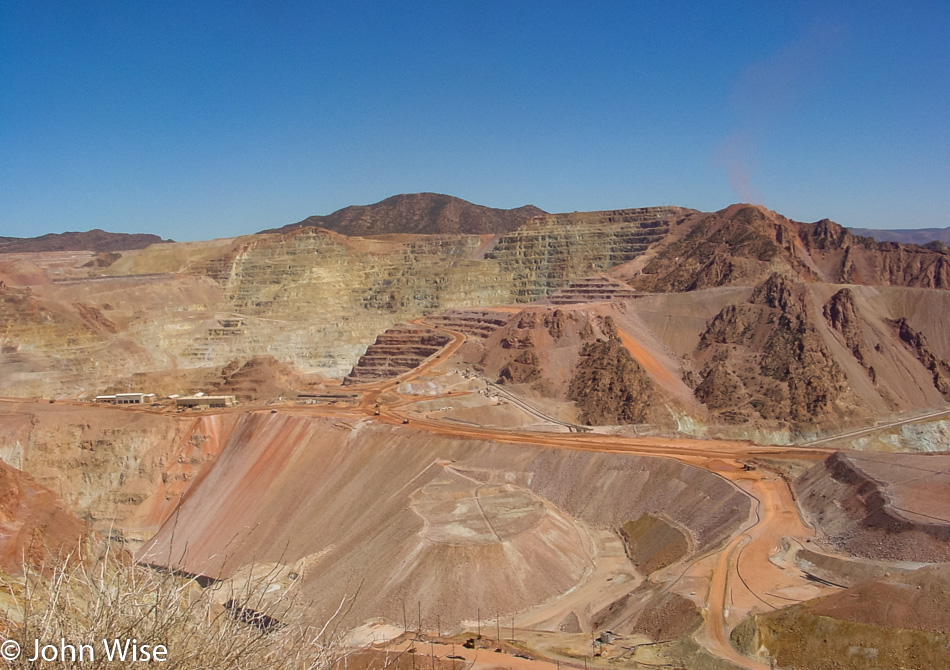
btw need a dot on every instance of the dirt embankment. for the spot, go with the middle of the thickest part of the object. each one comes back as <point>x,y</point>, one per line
<point>855,513</point>
<point>503,527</point>
<point>889,623</point>
<point>35,526</point>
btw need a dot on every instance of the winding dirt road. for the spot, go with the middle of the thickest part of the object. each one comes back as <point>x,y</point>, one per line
<point>748,573</point>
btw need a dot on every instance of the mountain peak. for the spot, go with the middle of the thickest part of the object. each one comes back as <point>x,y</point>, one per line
<point>419,213</point>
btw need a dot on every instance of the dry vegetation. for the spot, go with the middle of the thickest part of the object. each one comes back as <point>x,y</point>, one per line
<point>84,600</point>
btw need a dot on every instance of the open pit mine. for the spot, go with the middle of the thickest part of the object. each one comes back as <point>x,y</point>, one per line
<point>479,438</point>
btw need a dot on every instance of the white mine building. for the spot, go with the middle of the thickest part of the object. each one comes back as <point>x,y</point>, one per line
<point>127,398</point>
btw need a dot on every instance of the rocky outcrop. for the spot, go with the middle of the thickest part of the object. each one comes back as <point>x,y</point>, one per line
<point>524,369</point>
<point>938,367</point>
<point>766,360</point>
<point>739,245</point>
<point>609,386</point>
<point>841,314</point>
<point>743,244</point>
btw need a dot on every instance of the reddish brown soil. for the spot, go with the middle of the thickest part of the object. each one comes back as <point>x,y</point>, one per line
<point>36,528</point>
<point>881,506</point>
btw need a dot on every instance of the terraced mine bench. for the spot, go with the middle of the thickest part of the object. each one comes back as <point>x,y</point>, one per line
<point>593,289</point>
<point>396,351</point>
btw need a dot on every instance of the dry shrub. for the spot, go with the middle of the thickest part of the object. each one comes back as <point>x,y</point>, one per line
<point>86,601</point>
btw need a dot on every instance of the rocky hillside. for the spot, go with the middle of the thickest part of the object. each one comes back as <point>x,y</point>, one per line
<point>609,386</point>
<point>93,240</point>
<point>867,506</point>
<point>743,244</point>
<point>740,317</point>
<point>765,359</point>
<point>425,213</point>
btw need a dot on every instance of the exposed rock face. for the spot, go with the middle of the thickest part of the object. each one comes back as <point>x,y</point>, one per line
<point>316,300</point>
<point>311,298</point>
<point>538,348</point>
<point>522,370</point>
<point>122,472</point>
<point>918,344</point>
<point>426,213</point>
<point>609,386</point>
<point>743,244</point>
<point>739,245</point>
<point>841,313</point>
<point>765,359</point>
<point>474,323</point>
<point>550,251</point>
<point>93,240</point>
<point>592,289</point>
<point>351,289</point>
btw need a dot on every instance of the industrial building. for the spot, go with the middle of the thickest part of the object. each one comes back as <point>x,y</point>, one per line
<point>127,398</point>
<point>206,401</point>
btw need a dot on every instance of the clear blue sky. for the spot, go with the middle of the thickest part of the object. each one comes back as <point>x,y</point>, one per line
<point>209,119</point>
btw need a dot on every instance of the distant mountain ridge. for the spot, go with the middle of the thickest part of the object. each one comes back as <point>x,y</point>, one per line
<point>93,240</point>
<point>419,213</point>
<point>906,236</point>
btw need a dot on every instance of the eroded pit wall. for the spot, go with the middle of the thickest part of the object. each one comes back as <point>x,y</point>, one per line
<point>446,525</point>
<point>121,470</point>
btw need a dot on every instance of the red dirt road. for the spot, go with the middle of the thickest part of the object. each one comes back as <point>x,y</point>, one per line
<point>744,576</point>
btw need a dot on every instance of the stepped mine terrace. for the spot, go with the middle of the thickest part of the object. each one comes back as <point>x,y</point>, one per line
<point>531,459</point>
<point>668,543</point>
